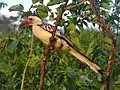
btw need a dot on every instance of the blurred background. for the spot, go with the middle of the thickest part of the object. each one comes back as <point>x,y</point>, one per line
<point>9,21</point>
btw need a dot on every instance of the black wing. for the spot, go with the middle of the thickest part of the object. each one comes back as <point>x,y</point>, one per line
<point>47,27</point>
<point>66,39</point>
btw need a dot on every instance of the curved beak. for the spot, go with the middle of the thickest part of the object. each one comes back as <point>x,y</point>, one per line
<point>25,22</point>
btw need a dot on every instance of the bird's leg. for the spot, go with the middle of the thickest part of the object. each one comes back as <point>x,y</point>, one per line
<point>57,52</point>
<point>52,42</point>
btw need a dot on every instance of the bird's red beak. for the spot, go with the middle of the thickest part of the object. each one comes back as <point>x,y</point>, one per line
<point>26,21</point>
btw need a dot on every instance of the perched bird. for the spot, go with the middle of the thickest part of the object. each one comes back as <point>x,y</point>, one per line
<point>44,31</point>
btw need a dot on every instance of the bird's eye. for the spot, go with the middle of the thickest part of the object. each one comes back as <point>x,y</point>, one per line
<point>30,18</point>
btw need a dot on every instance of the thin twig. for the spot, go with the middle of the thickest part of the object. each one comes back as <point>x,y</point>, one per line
<point>111,35</point>
<point>23,76</point>
<point>1,44</point>
<point>46,51</point>
<point>31,7</point>
<point>73,6</point>
<point>28,61</point>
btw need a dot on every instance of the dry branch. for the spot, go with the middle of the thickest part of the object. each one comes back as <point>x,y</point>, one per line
<point>73,6</point>
<point>46,51</point>
<point>106,28</point>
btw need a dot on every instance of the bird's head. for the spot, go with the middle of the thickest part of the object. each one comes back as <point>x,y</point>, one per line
<point>31,20</point>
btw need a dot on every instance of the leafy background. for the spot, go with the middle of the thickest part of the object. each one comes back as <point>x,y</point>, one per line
<point>64,72</point>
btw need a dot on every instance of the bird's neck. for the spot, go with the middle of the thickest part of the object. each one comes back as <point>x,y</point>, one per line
<point>36,24</point>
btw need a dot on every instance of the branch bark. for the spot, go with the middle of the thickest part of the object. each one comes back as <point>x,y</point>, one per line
<point>46,51</point>
<point>73,6</point>
<point>106,28</point>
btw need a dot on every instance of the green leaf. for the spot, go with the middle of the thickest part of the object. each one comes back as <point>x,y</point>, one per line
<point>75,41</point>
<point>91,47</point>
<point>42,14</point>
<point>11,47</point>
<point>42,10</point>
<point>87,7</point>
<point>108,40</point>
<point>59,79</point>
<point>71,85</point>
<point>26,14</point>
<point>77,0</point>
<point>52,18</point>
<point>34,1</point>
<point>71,26</point>
<point>59,10</point>
<point>106,6</point>
<point>3,67</point>
<point>16,8</point>
<point>107,47</point>
<point>41,1</point>
<point>102,87</point>
<point>106,14</point>
<point>64,60</point>
<point>53,2</point>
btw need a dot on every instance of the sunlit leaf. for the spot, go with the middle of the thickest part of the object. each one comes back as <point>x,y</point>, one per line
<point>42,10</point>
<point>108,40</point>
<point>107,47</point>
<point>64,60</point>
<point>59,10</point>
<point>91,47</point>
<point>71,26</point>
<point>87,7</point>
<point>106,6</point>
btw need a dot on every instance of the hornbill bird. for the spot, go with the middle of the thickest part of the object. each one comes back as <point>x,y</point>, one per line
<point>44,32</point>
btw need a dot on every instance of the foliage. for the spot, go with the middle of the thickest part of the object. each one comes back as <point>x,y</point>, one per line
<point>64,72</point>
<point>16,8</point>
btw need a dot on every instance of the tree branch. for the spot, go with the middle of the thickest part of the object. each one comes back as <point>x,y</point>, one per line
<point>46,51</point>
<point>73,6</point>
<point>106,28</point>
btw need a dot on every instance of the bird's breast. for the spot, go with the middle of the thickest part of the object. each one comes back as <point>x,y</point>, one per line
<point>41,34</point>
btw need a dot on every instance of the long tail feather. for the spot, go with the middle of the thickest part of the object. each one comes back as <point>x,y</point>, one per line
<point>86,60</point>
